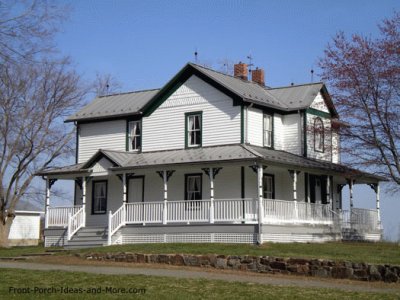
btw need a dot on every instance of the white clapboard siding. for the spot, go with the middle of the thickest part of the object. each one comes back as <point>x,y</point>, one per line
<point>25,226</point>
<point>102,166</point>
<point>278,132</point>
<point>109,135</point>
<point>319,103</point>
<point>165,128</point>
<point>255,126</point>
<point>292,133</point>
<point>327,154</point>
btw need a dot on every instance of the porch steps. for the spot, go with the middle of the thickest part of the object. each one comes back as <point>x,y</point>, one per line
<point>88,237</point>
<point>349,234</point>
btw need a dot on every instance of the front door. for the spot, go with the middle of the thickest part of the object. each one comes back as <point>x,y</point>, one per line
<point>136,189</point>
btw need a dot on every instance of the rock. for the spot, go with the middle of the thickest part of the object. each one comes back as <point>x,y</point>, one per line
<point>140,258</point>
<point>360,274</point>
<point>298,261</point>
<point>191,260</point>
<point>390,276</point>
<point>279,265</point>
<point>319,273</point>
<point>234,263</point>
<point>342,272</point>
<point>221,263</point>
<point>177,260</point>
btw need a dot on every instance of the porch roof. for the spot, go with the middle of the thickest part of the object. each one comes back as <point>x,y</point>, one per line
<point>229,153</point>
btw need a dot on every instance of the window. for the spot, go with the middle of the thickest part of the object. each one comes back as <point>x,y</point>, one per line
<point>193,129</point>
<point>267,132</point>
<point>318,135</point>
<point>135,136</point>
<point>99,199</point>
<point>193,186</point>
<point>268,186</point>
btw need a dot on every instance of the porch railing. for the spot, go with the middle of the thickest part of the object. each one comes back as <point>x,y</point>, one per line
<point>361,219</point>
<point>76,222</point>
<point>58,216</point>
<point>295,212</point>
<point>235,210</point>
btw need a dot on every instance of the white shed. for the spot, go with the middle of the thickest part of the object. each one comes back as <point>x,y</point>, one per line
<point>25,229</point>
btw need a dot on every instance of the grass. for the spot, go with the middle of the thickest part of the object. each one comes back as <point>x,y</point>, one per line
<point>159,287</point>
<point>380,253</point>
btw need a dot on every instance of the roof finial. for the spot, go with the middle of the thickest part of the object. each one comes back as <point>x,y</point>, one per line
<point>312,75</point>
<point>250,64</point>
<point>195,55</point>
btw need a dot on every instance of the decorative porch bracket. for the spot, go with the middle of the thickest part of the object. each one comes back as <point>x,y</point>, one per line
<point>128,176</point>
<point>376,188</point>
<point>169,174</point>
<point>373,186</point>
<point>165,175</point>
<point>215,171</point>
<point>78,182</point>
<point>351,182</point>
<point>340,187</point>
<point>255,168</point>
<point>52,181</point>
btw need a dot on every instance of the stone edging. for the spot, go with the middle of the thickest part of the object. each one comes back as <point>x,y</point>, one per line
<point>263,264</point>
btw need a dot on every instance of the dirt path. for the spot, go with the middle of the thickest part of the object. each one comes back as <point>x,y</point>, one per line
<point>197,274</point>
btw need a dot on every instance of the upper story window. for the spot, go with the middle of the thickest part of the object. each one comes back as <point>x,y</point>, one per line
<point>135,135</point>
<point>193,129</point>
<point>318,135</point>
<point>267,130</point>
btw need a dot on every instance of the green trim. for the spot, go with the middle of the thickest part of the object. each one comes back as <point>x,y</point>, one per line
<point>318,113</point>
<point>127,136</point>
<point>186,128</point>
<point>323,135</point>
<point>179,79</point>
<point>77,143</point>
<point>305,133</point>
<point>242,124</point>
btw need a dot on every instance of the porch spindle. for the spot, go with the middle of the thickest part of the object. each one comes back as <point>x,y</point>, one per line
<point>260,202</point>
<point>378,204</point>
<point>211,195</point>
<point>46,220</point>
<point>84,200</point>
<point>294,185</point>
<point>165,196</point>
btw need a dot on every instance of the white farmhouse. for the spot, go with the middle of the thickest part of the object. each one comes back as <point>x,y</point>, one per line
<point>209,158</point>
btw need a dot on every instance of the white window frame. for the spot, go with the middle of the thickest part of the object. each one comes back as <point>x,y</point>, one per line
<point>267,130</point>
<point>198,131</point>
<point>134,137</point>
<point>268,193</point>
<point>96,203</point>
<point>319,135</point>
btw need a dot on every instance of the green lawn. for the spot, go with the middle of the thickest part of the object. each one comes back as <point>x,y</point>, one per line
<point>157,288</point>
<point>385,253</point>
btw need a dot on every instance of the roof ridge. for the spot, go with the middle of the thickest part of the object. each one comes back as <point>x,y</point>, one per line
<point>131,92</point>
<point>296,85</point>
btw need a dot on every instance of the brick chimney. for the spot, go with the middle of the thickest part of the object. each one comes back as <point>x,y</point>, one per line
<point>240,70</point>
<point>257,76</point>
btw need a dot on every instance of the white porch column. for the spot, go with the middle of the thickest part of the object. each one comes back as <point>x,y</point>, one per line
<point>294,185</point>
<point>351,182</point>
<point>378,203</point>
<point>260,202</point>
<point>84,182</point>
<point>211,170</point>
<point>46,219</point>
<point>165,196</point>
<point>124,188</point>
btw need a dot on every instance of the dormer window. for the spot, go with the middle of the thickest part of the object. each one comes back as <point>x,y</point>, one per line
<point>267,130</point>
<point>318,135</point>
<point>193,129</point>
<point>135,136</point>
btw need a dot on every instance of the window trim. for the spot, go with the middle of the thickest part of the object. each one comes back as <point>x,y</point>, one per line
<point>272,130</point>
<point>201,185</point>
<point>93,185</point>
<point>318,119</point>
<point>273,184</point>
<point>187,115</point>
<point>129,143</point>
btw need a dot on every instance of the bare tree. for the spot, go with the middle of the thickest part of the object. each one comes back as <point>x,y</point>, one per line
<point>364,76</point>
<point>34,100</point>
<point>27,28</point>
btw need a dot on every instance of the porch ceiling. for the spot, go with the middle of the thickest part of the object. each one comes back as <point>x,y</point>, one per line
<point>229,153</point>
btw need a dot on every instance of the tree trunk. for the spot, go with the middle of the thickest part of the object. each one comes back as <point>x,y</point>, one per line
<point>4,232</point>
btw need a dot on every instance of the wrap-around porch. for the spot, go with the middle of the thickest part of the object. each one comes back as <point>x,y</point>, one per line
<point>311,199</point>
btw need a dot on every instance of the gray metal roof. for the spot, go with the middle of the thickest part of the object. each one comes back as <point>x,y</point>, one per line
<point>297,96</point>
<point>77,168</point>
<point>114,105</point>
<point>215,154</point>
<point>284,98</point>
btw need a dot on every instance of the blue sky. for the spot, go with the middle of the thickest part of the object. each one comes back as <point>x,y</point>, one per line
<point>144,43</point>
